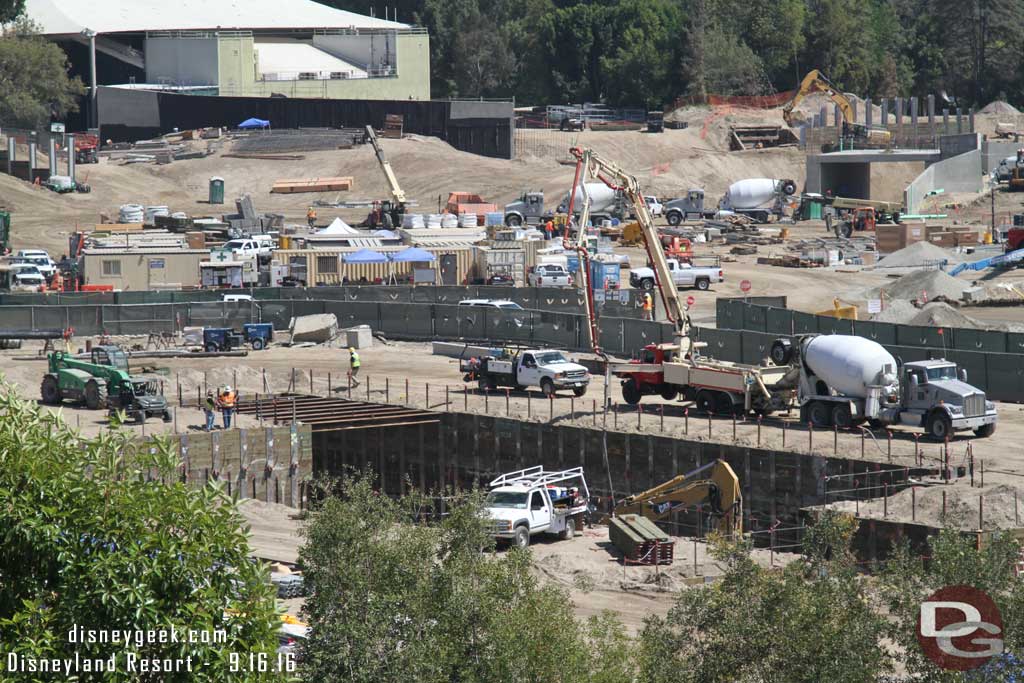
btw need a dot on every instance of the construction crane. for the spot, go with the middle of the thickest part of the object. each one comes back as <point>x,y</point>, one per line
<point>388,212</point>
<point>715,484</point>
<point>814,82</point>
<point>590,165</point>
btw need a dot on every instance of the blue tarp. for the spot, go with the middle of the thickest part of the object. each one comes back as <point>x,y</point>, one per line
<point>412,254</point>
<point>365,256</point>
<point>254,123</point>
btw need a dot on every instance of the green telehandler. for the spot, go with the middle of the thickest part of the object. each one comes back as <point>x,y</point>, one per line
<point>103,382</point>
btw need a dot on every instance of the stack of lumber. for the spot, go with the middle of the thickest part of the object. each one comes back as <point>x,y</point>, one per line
<point>292,186</point>
<point>640,540</point>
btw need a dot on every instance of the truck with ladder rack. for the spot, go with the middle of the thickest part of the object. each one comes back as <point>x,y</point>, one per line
<point>536,501</point>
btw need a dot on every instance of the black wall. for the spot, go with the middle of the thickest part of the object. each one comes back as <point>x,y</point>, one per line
<point>138,114</point>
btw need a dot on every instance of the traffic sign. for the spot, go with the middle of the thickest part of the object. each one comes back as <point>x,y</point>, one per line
<point>745,285</point>
<point>690,301</point>
<point>56,127</point>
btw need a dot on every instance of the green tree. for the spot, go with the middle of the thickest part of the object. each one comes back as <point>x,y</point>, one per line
<point>394,598</point>
<point>731,67</point>
<point>954,560</point>
<point>811,621</point>
<point>34,81</point>
<point>89,538</point>
<point>836,42</point>
<point>10,10</point>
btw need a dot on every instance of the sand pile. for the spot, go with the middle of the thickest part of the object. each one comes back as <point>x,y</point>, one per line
<point>999,107</point>
<point>917,255</point>
<point>929,284</point>
<point>961,506</point>
<point>899,311</point>
<point>941,314</point>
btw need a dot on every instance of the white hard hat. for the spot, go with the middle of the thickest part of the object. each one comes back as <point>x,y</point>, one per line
<point>227,388</point>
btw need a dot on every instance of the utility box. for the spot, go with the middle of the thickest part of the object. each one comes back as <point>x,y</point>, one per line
<point>360,337</point>
<point>216,190</point>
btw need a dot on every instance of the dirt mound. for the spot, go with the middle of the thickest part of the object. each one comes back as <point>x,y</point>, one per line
<point>941,314</point>
<point>929,284</point>
<point>999,107</point>
<point>899,311</point>
<point>917,255</point>
<point>962,504</point>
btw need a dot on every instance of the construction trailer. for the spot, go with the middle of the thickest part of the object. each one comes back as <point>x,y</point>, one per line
<point>143,268</point>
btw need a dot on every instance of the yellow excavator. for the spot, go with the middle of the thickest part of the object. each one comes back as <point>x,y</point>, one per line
<point>814,82</point>
<point>715,484</point>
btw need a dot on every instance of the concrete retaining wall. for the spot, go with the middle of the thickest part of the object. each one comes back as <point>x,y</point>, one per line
<point>466,450</point>
<point>961,173</point>
<point>239,458</point>
<point>994,151</point>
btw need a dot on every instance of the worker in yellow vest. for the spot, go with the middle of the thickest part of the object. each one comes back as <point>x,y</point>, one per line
<point>353,367</point>
<point>648,306</point>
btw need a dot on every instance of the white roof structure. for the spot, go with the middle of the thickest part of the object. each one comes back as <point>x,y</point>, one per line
<point>286,59</point>
<point>338,227</point>
<point>71,17</point>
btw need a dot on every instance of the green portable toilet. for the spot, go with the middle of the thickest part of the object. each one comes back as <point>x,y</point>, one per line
<point>216,190</point>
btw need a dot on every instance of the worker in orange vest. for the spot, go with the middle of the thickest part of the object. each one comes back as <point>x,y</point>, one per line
<point>648,306</point>
<point>311,216</point>
<point>226,398</point>
<point>549,229</point>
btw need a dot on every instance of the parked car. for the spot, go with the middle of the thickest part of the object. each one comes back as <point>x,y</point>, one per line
<point>501,280</point>
<point>39,258</point>
<point>27,276</point>
<point>257,245</point>
<point>491,303</point>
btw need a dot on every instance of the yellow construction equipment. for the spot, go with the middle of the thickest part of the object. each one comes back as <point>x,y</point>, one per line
<point>814,82</point>
<point>715,484</point>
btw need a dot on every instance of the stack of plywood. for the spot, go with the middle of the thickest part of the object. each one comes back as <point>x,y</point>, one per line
<point>394,125</point>
<point>292,186</point>
<point>890,238</point>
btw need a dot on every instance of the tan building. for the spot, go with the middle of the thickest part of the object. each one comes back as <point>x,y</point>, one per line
<point>141,269</point>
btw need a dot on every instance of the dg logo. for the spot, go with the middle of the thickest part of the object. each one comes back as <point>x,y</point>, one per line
<point>960,628</point>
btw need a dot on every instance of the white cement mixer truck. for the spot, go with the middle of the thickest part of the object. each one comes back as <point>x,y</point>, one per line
<point>605,203</point>
<point>845,380</point>
<point>759,198</point>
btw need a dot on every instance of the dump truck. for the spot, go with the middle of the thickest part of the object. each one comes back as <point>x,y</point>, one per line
<point>845,380</point>
<point>102,382</point>
<point>536,501</point>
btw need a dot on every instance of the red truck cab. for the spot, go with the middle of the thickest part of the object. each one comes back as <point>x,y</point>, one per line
<point>1015,239</point>
<point>649,378</point>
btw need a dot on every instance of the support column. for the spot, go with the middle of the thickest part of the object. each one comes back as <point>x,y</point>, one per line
<point>12,148</point>
<point>93,112</point>
<point>913,120</point>
<point>868,113</point>
<point>53,155</point>
<point>885,112</point>
<point>959,121</point>
<point>970,116</point>
<point>31,159</point>
<point>71,157</point>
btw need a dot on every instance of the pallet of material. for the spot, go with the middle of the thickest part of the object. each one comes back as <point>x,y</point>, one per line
<point>293,186</point>
<point>640,540</point>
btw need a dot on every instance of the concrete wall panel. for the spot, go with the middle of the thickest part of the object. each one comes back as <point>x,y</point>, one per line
<point>779,321</point>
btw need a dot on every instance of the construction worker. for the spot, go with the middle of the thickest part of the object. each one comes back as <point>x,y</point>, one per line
<point>228,397</point>
<point>549,229</point>
<point>210,410</point>
<point>353,365</point>
<point>311,216</point>
<point>648,306</point>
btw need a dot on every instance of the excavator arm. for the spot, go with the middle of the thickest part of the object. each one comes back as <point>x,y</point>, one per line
<point>590,165</point>
<point>814,82</point>
<point>715,484</point>
<point>397,193</point>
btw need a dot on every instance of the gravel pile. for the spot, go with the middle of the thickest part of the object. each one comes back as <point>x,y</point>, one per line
<point>932,283</point>
<point>999,107</point>
<point>917,255</point>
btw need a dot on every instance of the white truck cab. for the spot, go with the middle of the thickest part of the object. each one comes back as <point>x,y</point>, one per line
<point>257,245</point>
<point>535,501</point>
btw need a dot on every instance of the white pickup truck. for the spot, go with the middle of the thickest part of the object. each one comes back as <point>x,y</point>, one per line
<point>549,275</point>
<point>537,501</point>
<point>683,274</point>
<point>250,247</point>
<point>550,370</point>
